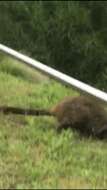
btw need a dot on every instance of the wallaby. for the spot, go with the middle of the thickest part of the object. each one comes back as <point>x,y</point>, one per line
<point>79,113</point>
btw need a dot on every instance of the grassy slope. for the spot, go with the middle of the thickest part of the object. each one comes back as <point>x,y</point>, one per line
<point>32,154</point>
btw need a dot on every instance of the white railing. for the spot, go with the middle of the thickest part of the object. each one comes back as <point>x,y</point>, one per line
<point>63,78</point>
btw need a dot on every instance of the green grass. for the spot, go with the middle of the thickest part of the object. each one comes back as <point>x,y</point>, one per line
<point>32,154</point>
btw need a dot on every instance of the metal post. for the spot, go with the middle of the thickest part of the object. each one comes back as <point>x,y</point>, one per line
<point>63,78</point>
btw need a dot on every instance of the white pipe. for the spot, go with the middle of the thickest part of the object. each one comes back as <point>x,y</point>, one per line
<point>82,87</point>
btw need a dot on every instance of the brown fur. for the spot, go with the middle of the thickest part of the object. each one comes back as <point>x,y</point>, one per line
<point>79,113</point>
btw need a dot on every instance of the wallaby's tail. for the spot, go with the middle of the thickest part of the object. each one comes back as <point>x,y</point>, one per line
<point>25,111</point>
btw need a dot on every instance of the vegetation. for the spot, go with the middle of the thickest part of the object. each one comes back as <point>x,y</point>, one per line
<point>68,35</point>
<point>32,153</point>
<point>71,37</point>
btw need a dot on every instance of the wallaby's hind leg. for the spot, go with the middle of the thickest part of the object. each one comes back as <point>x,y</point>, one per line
<point>102,132</point>
<point>62,126</point>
